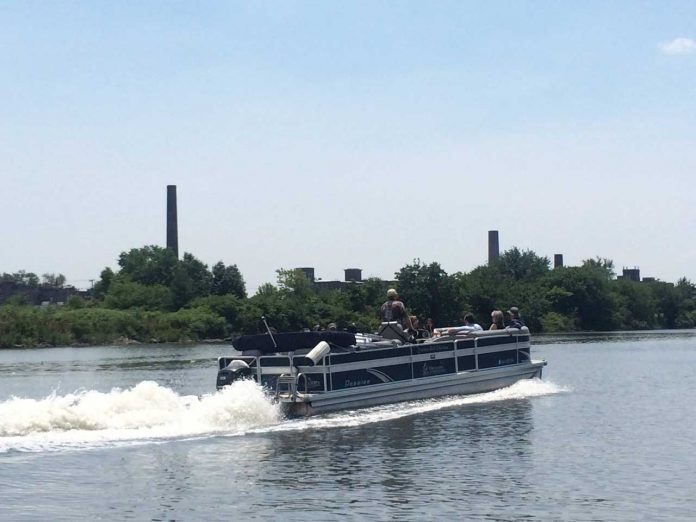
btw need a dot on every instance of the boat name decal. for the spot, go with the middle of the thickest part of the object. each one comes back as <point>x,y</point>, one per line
<point>352,384</point>
<point>433,369</point>
<point>314,383</point>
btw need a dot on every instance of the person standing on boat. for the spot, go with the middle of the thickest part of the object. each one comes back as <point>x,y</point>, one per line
<point>394,310</point>
<point>514,319</point>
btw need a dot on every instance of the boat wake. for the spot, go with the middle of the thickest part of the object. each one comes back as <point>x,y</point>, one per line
<point>146,413</point>
<point>149,413</point>
<point>523,389</point>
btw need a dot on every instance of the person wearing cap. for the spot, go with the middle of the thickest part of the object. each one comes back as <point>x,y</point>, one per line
<point>514,320</point>
<point>394,310</point>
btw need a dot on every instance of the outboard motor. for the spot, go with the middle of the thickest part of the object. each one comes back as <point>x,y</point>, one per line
<point>235,371</point>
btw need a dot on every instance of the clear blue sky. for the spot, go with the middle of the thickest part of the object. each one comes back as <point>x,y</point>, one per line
<point>348,134</point>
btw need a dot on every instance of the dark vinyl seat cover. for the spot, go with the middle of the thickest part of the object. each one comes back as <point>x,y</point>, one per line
<point>292,341</point>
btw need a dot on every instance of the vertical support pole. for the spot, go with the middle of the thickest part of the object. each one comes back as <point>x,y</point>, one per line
<point>410,349</point>
<point>456,362</point>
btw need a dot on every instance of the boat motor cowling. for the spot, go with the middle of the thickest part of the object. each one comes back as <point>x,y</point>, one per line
<point>235,371</point>
<point>321,350</point>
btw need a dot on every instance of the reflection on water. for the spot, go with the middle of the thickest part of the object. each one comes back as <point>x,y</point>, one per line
<point>377,470</point>
<point>387,462</point>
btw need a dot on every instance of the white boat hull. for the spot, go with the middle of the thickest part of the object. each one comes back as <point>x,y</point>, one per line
<point>462,383</point>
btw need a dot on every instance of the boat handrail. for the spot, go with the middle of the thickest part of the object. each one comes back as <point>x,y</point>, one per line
<point>306,382</point>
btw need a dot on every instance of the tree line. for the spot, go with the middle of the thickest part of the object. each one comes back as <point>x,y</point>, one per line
<point>31,280</point>
<point>155,297</point>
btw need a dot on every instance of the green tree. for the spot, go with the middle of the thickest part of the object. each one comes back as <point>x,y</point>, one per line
<point>102,286</point>
<point>686,318</point>
<point>228,280</point>
<point>21,277</point>
<point>75,302</point>
<point>17,300</point>
<point>485,287</point>
<point>149,265</point>
<point>297,298</point>
<point>53,280</point>
<point>124,294</point>
<point>582,294</point>
<point>191,279</point>
<point>270,303</point>
<point>601,264</point>
<point>364,300</point>
<point>522,265</point>
<point>635,306</point>
<point>228,306</point>
<point>667,303</point>
<point>429,292</point>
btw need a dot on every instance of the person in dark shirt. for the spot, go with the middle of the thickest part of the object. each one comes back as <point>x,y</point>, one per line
<point>497,322</point>
<point>514,319</point>
<point>394,310</point>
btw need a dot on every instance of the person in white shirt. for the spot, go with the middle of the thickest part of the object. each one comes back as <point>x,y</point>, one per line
<point>469,325</point>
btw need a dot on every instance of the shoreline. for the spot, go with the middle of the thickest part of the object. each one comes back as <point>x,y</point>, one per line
<point>540,338</point>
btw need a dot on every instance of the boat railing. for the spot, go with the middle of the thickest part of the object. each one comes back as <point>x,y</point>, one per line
<point>294,378</point>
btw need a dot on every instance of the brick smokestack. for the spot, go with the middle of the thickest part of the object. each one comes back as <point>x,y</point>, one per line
<point>493,246</point>
<point>172,227</point>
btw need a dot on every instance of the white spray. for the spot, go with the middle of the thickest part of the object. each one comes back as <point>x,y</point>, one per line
<point>145,412</point>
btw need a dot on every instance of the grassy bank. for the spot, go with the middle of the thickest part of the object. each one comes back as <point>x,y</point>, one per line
<point>41,326</point>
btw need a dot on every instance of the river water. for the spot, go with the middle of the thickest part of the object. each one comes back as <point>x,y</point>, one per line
<point>118,433</point>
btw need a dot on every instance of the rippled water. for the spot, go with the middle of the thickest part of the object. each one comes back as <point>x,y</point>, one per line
<point>138,433</point>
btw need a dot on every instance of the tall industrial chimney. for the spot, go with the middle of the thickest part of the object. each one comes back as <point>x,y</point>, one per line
<point>172,227</point>
<point>493,246</point>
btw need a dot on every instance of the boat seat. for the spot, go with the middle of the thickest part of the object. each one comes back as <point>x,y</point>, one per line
<point>393,330</point>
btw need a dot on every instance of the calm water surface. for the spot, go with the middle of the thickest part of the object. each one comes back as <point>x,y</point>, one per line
<point>114,433</point>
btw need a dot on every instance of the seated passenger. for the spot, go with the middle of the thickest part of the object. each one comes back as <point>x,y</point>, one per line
<point>469,325</point>
<point>394,310</point>
<point>418,332</point>
<point>514,319</point>
<point>430,326</point>
<point>497,320</point>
